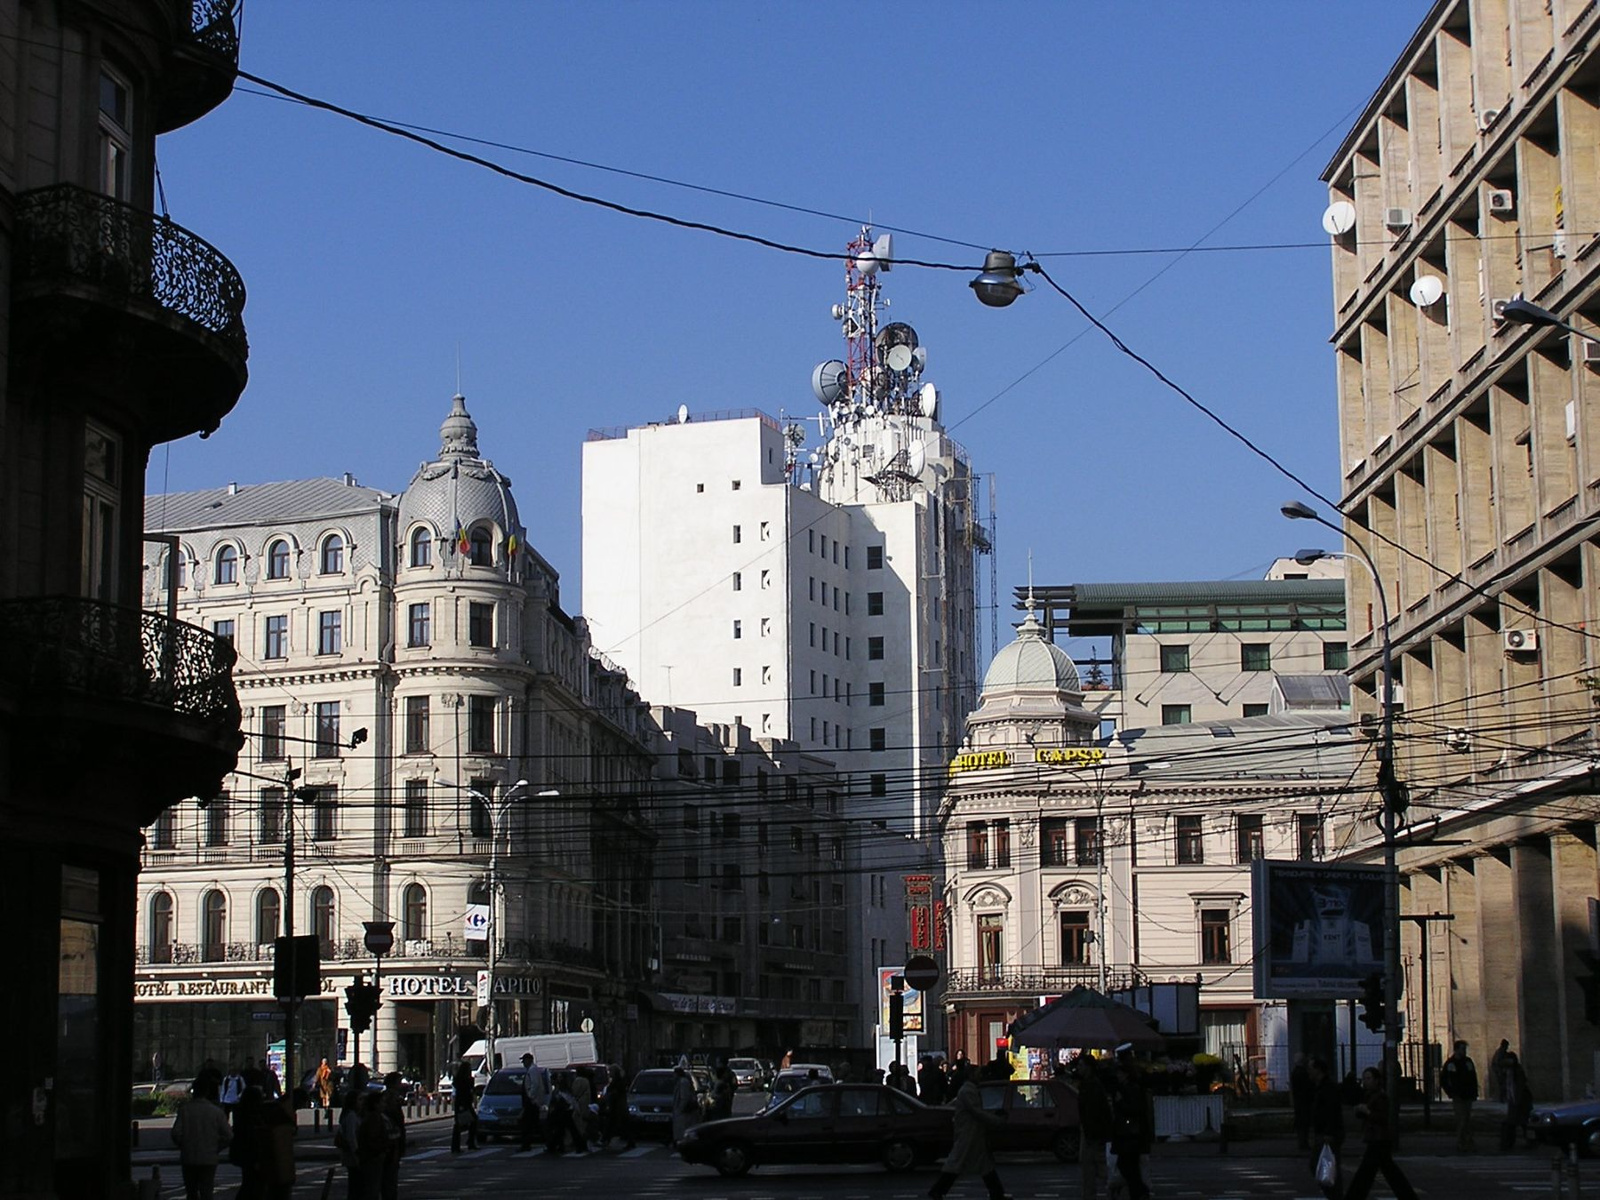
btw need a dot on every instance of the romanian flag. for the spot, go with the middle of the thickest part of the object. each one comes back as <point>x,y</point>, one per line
<point>511,545</point>
<point>463,545</point>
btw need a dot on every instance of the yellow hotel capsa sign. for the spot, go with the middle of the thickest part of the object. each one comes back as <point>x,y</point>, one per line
<point>1055,756</point>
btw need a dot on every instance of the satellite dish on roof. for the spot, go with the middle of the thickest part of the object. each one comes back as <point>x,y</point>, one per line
<point>838,312</point>
<point>916,458</point>
<point>1340,217</point>
<point>1427,290</point>
<point>683,414</point>
<point>880,257</point>
<point>928,400</point>
<point>919,359</point>
<point>828,381</point>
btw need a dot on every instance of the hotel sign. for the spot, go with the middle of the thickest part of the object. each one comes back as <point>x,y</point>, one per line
<point>980,760</point>
<point>168,988</point>
<point>1070,756</point>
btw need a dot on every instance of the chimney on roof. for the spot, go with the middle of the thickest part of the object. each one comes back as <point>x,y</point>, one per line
<point>233,489</point>
<point>349,479</point>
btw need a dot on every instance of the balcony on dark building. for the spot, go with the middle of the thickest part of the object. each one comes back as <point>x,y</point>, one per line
<point>993,982</point>
<point>112,299</point>
<point>126,685</point>
<point>202,63</point>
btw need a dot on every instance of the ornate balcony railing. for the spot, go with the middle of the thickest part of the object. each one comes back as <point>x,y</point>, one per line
<point>214,26</point>
<point>69,235</point>
<point>204,62</point>
<point>1038,981</point>
<point>513,951</point>
<point>55,643</point>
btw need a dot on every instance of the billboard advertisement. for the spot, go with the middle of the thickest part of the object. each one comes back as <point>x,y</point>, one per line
<point>1318,929</point>
<point>912,1009</point>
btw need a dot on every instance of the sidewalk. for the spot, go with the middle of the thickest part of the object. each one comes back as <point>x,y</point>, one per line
<point>1268,1132</point>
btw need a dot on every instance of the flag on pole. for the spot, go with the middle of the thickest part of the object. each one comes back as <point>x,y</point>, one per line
<point>463,545</point>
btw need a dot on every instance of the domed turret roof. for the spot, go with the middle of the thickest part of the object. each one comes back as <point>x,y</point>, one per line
<point>459,489</point>
<point>1032,663</point>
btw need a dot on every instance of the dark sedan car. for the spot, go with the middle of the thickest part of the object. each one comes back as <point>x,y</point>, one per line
<point>1574,1124</point>
<point>833,1123</point>
<point>1042,1115</point>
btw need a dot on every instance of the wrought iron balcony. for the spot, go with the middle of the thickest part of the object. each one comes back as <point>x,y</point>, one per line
<point>104,281</point>
<point>55,644</point>
<point>512,951</point>
<point>202,64</point>
<point>1034,981</point>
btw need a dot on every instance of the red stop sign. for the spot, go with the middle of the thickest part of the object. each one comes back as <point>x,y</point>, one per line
<point>922,973</point>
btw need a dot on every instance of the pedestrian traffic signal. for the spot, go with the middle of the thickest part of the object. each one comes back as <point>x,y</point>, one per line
<point>361,1002</point>
<point>1373,1009</point>
<point>897,1016</point>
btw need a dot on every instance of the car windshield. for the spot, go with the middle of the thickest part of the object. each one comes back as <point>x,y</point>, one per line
<point>743,1064</point>
<point>654,1083</point>
<point>504,1083</point>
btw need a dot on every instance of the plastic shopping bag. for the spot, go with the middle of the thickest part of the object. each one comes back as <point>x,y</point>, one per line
<point>1327,1167</point>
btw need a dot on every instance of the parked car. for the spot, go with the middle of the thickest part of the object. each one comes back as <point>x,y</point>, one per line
<point>1573,1124</point>
<point>831,1123</point>
<point>1042,1114</point>
<point>747,1073</point>
<point>500,1108</point>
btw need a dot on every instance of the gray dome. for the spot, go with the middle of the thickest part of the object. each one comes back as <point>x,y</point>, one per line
<point>459,489</point>
<point>1031,664</point>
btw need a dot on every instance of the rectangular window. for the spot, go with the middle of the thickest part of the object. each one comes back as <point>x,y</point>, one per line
<point>217,821</point>
<point>811,588</point>
<point>420,625</point>
<point>732,879</point>
<point>1191,841</point>
<point>738,581</point>
<point>738,535</point>
<point>874,604</point>
<point>269,817</point>
<point>1255,656</point>
<point>977,845</point>
<point>223,630</point>
<point>1255,710</point>
<point>414,821</point>
<point>273,726</point>
<point>874,648</point>
<point>1174,714</point>
<point>1174,659</point>
<point>811,541</point>
<point>480,623</point>
<point>1335,656</point>
<point>116,138</point>
<point>325,814</point>
<point>875,694</point>
<point>328,739</point>
<point>480,818</point>
<point>991,946</point>
<point>480,724</point>
<point>874,558</point>
<point>731,826</point>
<point>847,647</point>
<point>1215,947</point>
<point>738,677</point>
<point>164,833</point>
<point>877,738</point>
<point>1054,843</point>
<point>1075,938</point>
<point>879,784</point>
<point>1309,828</point>
<point>277,641</point>
<point>738,630</point>
<point>1086,835</point>
<point>418,711</point>
<point>1251,845</point>
<point>1002,843</point>
<point>691,869</point>
<point>330,632</point>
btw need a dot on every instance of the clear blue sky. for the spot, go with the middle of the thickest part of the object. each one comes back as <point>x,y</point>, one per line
<point>1035,127</point>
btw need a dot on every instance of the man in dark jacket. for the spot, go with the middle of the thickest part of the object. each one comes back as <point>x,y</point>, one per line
<point>464,1089</point>
<point>1378,1154</point>
<point>1300,1090</point>
<point>1130,1123</point>
<point>1327,1123</point>
<point>1094,1123</point>
<point>1458,1079</point>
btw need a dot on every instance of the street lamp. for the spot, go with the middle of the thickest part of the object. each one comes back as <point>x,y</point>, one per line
<point>998,285</point>
<point>1393,797</point>
<point>1525,312</point>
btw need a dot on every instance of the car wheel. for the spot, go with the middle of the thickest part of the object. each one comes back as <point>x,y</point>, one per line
<point>899,1156</point>
<point>1066,1146</point>
<point>733,1160</point>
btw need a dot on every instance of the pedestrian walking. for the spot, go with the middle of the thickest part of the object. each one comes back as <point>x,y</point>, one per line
<point>581,1094</point>
<point>1519,1101</point>
<point>1327,1125</point>
<point>465,1108</point>
<point>930,1082</point>
<point>201,1133</point>
<point>1300,1092</point>
<point>394,1113</point>
<point>1378,1153</point>
<point>1130,1123</point>
<point>1497,1068</point>
<point>535,1099</point>
<point>1094,1124</point>
<point>722,1094</point>
<point>1458,1079</point>
<point>355,1141</point>
<point>685,1104</point>
<point>900,1079</point>
<point>322,1085</point>
<point>614,1110</point>
<point>232,1090</point>
<point>970,1151</point>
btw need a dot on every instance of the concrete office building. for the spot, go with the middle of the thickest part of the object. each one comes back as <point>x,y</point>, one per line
<point>408,656</point>
<point>1126,863</point>
<point>1472,439</point>
<point>119,330</point>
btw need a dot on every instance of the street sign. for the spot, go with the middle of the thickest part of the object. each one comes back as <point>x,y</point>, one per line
<point>476,923</point>
<point>922,973</point>
<point>483,989</point>
<point>380,937</point>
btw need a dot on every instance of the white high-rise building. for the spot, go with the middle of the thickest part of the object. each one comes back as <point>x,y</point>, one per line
<point>821,595</point>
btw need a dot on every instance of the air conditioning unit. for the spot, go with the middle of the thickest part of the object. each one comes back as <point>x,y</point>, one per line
<point>1397,218</point>
<point>1591,353</point>
<point>1497,309</point>
<point>1519,641</point>
<point>1558,245</point>
<point>1502,201</point>
<point>1487,117</point>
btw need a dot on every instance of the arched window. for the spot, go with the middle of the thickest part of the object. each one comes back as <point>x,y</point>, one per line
<point>268,908</point>
<point>422,548</point>
<point>227,565</point>
<point>322,919</point>
<point>160,929</point>
<point>414,913</point>
<point>332,555</point>
<point>278,560</point>
<point>214,927</point>
<point>482,547</point>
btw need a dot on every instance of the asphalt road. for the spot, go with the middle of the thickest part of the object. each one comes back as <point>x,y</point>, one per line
<point>652,1172</point>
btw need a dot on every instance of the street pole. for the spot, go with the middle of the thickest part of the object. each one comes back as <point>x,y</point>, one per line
<point>496,815</point>
<point>1100,884</point>
<point>1422,921</point>
<point>290,1008</point>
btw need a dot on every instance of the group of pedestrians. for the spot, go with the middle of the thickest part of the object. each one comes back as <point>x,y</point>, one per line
<point>371,1135</point>
<point>1508,1082</point>
<point>559,1109</point>
<point>254,1130</point>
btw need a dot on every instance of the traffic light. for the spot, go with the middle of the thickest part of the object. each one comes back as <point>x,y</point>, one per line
<point>361,1002</point>
<point>1373,1011</point>
<point>897,1011</point>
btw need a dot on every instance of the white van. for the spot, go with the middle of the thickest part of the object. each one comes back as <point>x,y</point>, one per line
<point>552,1051</point>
